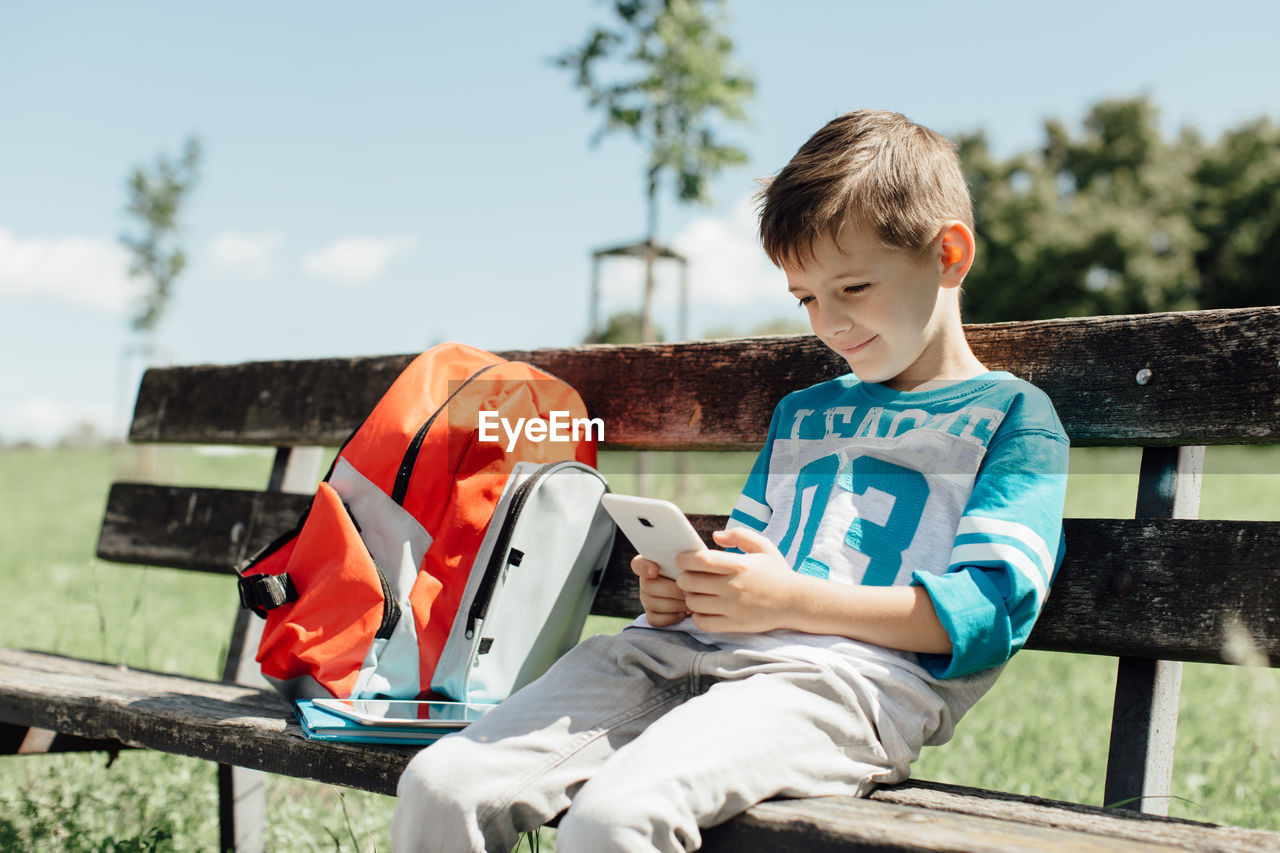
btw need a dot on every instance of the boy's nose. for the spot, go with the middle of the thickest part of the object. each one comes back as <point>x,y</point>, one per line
<point>831,323</point>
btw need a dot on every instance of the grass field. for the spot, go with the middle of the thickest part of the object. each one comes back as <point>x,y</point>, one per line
<point>1042,730</point>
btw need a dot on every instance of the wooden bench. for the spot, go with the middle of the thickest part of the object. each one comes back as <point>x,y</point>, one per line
<point>1154,590</point>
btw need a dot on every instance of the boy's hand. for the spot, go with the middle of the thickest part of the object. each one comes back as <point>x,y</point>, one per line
<point>750,592</point>
<point>663,600</point>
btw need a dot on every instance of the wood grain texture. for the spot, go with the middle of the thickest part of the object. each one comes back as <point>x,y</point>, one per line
<point>690,395</point>
<point>1154,588</point>
<point>230,724</point>
<point>831,824</point>
<point>254,728</point>
<point>1056,814</point>
<point>210,530</point>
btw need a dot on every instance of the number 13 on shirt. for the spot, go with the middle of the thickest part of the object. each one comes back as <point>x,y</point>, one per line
<point>906,489</point>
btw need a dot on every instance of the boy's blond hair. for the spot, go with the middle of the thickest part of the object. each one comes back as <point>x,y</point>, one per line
<point>878,171</point>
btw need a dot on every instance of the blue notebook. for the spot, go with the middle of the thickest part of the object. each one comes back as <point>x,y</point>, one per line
<point>319,724</point>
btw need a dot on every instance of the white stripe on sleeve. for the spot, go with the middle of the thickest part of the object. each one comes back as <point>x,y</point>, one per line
<point>1012,529</point>
<point>986,552</point>
<point>760,512</point>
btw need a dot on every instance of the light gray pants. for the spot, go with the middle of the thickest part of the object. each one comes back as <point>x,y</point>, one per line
<point>644,737</point>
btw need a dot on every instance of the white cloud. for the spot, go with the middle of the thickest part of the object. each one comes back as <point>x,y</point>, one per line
<point>246,256</point>
<point>44,421</point>
<point>356,260</point>
<point>84,271</point>
<point>726,264</point>
<point>727,267</point>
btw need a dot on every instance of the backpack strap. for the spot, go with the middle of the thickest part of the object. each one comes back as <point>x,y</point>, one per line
<point>261,593</point>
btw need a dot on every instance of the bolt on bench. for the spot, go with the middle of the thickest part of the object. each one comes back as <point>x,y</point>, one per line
<point>1153,591</point>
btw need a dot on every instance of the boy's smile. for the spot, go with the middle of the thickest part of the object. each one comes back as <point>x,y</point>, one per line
<point>893,315</point>
<point>847,352</point>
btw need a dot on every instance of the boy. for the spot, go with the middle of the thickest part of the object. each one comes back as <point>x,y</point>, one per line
<point>892,547</point>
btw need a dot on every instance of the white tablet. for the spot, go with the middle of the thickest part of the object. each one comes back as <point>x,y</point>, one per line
<point>405,712</point>
<point>657,528</point>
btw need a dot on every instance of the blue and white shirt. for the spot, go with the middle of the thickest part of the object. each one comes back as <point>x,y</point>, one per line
<point>958,489</point>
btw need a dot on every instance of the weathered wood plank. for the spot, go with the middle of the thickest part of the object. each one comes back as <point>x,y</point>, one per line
<point>230,724</point>
<point>209,530</point>
<point>1164,588</point>
<point>834,824</point>
<point>253,728</point>
<point>1056,814</point>
<point>689,395</point>
<point>1152,588</point>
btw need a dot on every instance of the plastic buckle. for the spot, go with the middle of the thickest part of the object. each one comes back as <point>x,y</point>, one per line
<point>261,593</point>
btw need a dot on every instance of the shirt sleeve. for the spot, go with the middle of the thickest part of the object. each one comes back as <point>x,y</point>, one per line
<point>752,509</point>
<point>1007,549</point>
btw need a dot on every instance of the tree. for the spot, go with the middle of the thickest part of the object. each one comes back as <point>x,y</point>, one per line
<point>155,200</point>
<point>665,73</point>
<point>1092,223</point>
<point>1238,212</point>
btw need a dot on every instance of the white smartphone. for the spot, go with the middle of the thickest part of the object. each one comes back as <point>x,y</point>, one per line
<point>657,528</point>
<point>405,712</point>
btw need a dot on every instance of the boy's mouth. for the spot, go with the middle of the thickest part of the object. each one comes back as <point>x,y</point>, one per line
<point>855,348</point>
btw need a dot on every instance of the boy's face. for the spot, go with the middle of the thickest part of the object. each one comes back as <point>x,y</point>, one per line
<point>885,311</point>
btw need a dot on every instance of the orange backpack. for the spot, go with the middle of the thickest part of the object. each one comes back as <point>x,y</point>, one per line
<point>435,510</point>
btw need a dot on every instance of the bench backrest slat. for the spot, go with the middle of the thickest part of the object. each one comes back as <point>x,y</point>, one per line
<point>1143,587</point>
<point>1146,587</point>
<point>1213,379</point>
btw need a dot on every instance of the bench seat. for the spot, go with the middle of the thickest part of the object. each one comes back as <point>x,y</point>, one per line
<point>254,727</point>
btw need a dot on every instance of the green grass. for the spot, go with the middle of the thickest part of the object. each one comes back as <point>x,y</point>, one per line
<point>1043,730</point>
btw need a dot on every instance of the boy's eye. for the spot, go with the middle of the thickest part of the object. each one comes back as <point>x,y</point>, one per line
<point>855,288</point>
<point>805,300</point>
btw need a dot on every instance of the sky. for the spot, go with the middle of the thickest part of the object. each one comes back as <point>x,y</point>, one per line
<point>382,177</point>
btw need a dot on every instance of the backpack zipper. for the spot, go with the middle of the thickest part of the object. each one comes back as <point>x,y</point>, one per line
<point>401,487</point>
<point>497,559</point>
<point>390,607</point>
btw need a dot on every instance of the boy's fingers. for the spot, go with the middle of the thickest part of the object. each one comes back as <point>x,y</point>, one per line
<point>709,560</point>
<point>744,539</point>
<point>673,594</point>
<point>668,610</point>
<point>660,587</point>
<point>663,620</point>
<point>644,568</point>
<point>704,605</point>
<point>664,605</point>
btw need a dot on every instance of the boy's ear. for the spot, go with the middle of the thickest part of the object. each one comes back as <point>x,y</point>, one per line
<point>955,250</point>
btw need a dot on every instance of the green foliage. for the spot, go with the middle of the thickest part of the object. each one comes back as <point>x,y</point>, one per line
<point>155,200</point>
<point>1115,218</point>
<point>665,73</point>
<point>59,807</point>
<point>624,327</point>
<point>1238,212</point>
